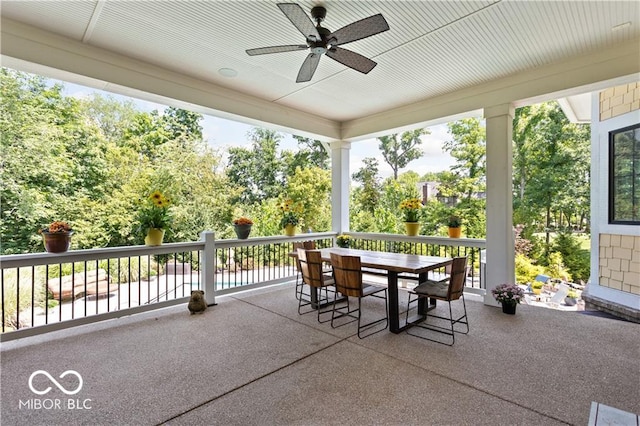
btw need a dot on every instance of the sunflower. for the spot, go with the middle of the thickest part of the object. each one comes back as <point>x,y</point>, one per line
<point>154,212</point>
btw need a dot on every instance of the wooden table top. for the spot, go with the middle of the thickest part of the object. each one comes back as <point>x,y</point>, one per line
<point>398,262</point>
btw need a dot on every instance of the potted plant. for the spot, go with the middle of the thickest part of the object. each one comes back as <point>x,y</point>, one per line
<point>411,209</point>
<point>242,226</point>
<point>154,218</point>
<point>571,299</point>
<point>509,295</point>
<point>290,217</point>
<point>57,236</point>
<point>536,287</point>
<point>454,223</point>
<point>343,240</point>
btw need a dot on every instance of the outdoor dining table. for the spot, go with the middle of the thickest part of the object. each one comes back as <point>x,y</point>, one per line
<point>393,265</point>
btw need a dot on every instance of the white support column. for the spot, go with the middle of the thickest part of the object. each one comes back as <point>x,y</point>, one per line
<point>208,263</point>
<point>500,267</point>
<point>340,184</point>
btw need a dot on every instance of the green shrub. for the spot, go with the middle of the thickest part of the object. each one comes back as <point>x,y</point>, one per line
<point>61,270</point>
<point>556,267</point>
<point>576,259</point>
<point>526,270</point>
<point>17,296</point>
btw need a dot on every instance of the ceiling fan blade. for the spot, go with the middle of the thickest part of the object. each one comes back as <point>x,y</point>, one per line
<point>276,49</point>
<point>300,19</point>
<point>351,59</point>
<point>360,29</point>
<point>308,68</point>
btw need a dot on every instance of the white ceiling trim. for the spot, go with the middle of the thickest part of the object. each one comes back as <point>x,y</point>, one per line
<point>93,21</point>
<point>25,43</point>
<point>544,83</point>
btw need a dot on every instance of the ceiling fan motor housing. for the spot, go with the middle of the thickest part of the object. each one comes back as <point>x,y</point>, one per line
<point>318,13</point>
<point>320,46</point>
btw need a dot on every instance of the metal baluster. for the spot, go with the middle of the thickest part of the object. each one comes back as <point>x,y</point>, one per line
<point>17,299</point>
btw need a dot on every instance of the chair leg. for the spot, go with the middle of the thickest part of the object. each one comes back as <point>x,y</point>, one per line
<point>372,323</point>
<point>348,313</point>
<point>298,286</point>
<point>449,331</point>
<point>320,300</point>
<point>301,303</point>
<point>326,299</point>
<point>466,320</point>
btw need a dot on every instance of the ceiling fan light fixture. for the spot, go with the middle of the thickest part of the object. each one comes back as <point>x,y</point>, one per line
<point>228,72</point>
<point>318,50</point>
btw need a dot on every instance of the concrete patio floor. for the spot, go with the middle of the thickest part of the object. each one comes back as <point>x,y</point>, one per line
<point>253,360</point>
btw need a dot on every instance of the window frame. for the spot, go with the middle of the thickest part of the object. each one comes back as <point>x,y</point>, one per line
<point>612,187</point>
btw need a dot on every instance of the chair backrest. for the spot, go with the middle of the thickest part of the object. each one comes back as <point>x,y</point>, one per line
<point>347,273</point>
<point>457,278</point>
<point>311,267</point>
<point>306,245</point>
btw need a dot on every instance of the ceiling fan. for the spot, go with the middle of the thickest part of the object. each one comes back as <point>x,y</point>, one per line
<point>322,41</point>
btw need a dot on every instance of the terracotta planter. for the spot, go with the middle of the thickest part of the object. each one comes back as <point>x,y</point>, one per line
<point>454,232</point>
<point>57,242</point>
<point>412,228</point>
<point>242,231</point>
<point>154,237</point>
<point>289,230</point>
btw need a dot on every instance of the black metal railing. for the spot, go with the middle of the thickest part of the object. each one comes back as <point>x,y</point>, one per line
<point>47,291</point>
<point>259,261</point>
<point>44,289</point>
<point>428,246</point>
<point>40,289</point>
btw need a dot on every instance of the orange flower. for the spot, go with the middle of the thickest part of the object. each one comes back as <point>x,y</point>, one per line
<point>243,221</point>
<point>57,226</point>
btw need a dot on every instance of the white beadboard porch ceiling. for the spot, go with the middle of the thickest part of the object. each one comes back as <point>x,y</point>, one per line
<point>433,48</point>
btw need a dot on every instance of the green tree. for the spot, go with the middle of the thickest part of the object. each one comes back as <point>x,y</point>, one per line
<point>53,159</point>
<point>310,153</point>
<point>576,259</point>
<point>469,148</point>
<point>367,195</point>
<point>112,116</point>
<point>551,172</point>
<point>259,171</point>
<point>398,153</point>
<point>394,191</point>
<point>465,183</point>
<point>311,187</point>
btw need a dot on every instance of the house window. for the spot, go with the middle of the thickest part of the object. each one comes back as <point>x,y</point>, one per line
<point>624,176</point>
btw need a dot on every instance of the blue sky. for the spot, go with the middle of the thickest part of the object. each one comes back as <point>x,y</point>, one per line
<point>221,134</point>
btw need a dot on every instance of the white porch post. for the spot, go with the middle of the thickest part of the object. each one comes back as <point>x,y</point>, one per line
<point>500,267</point>
<point>340,180</point>
<point>209,266</point>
